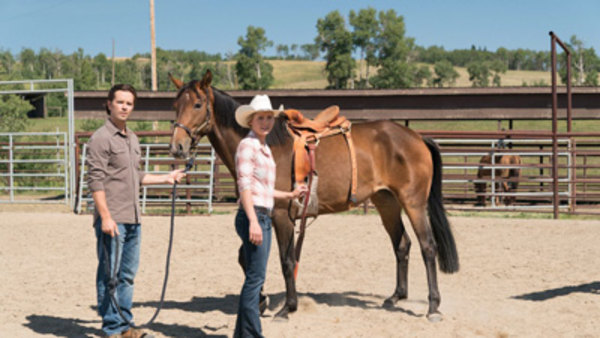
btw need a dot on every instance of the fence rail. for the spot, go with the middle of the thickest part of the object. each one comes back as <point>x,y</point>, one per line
<point>31,163</point>
<point>197,189</point>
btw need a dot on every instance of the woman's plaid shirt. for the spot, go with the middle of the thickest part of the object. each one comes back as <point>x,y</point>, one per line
<point>255,169</point>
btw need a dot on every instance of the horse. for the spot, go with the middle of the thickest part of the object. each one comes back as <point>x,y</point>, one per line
<point>397,169</point>
<point>507,179</point>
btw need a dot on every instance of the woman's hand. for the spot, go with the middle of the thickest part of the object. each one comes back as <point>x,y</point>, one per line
<point>299,191</point>
<point>255,233</point>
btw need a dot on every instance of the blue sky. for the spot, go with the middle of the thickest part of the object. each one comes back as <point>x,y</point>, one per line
<point>215,26</point>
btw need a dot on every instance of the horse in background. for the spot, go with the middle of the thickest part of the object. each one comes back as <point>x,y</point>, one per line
<point>506,179</point>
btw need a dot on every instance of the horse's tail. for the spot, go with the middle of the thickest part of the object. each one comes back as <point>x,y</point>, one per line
<point>446,246</point>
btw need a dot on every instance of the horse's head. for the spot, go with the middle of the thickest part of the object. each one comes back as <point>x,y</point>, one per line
<point>194,108</point>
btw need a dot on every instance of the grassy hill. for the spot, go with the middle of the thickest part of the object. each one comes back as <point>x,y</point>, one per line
<point>302,74</point>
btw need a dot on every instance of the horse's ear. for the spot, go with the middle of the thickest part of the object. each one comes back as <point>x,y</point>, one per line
<point>178,83</point>
<point>206,79</point>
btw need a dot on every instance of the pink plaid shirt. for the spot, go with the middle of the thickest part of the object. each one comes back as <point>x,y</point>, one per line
<point>255,170</point>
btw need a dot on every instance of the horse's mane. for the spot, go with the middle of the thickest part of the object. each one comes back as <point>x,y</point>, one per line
<point>225,107</point>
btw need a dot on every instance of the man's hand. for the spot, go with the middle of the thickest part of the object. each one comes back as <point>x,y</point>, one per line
<point>175,176</point>
<point>109,227</point>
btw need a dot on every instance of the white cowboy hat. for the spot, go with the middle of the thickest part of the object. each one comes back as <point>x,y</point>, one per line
<point>258,103</point>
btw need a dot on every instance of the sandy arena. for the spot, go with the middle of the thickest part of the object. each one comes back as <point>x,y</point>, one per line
<point>518,277</point>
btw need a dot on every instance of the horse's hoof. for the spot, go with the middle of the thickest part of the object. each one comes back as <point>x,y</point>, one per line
<point>435,317</point>
<point>389,303</point>
<point>282,315</point>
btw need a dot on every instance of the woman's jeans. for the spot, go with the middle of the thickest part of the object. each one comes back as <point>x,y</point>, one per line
<point>129,252</point>
<point>256,257</point>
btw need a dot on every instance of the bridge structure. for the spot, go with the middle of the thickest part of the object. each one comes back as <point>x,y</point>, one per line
<point>441,104</point>
<point>577,178</point>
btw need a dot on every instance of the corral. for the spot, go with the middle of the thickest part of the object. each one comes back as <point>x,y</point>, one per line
<point>511,283</point>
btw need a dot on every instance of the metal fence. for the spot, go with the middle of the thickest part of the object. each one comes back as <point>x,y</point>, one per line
<point>197,189</point>
<point>33,168</point>
<point>462,163</point>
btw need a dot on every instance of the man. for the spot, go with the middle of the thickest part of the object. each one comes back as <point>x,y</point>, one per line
<point>114,177</point>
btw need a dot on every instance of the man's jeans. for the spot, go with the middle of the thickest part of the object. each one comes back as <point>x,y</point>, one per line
<point>256,257</point>
<point>129,251</point>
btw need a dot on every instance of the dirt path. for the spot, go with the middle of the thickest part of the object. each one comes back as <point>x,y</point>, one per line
<point>518,278</point>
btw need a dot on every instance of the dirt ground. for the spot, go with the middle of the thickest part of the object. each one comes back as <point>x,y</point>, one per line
<point>524,278</point>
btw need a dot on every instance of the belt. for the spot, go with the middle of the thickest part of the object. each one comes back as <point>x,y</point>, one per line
<point>262,210</point>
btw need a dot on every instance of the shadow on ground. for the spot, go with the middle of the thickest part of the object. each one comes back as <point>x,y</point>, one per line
<point>229,303</point>
<point>71,327</point>
<point>593,288</point>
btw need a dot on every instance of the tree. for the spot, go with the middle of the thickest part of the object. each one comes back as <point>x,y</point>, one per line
<point>365,27</point>
<point>423,76</point>
<point>336,41</point>
<point>393,50</point>
<point>13,113</point>
<point>497,67</point>
<point>310,50</point>
<point>251,69</point>
<point>478,74</point>
<point>445,74</point>
<point>283,51</point>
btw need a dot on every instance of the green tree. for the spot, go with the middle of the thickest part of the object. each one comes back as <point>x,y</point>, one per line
<point>252,71</point>
<point>423,76</point>
<point>365,29</point>
<point>310,50</point>
<point>28,63</point>
<point>393,50</point>
<point>336,41</point>
<point>497,67</point>
<point>479,74</point>
<point>445,74</point>
<point>283,51</point>
<point>13,113</point>
<point>7,62</point>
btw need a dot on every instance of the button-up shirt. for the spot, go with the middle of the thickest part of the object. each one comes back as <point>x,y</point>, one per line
<point>255,169</point>
<point>113,160</point>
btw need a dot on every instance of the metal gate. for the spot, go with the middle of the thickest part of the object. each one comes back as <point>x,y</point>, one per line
<point>198,188</point>
<point>34,164</point>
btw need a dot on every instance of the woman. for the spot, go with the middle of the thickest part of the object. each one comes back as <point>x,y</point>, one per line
<point>255,169</point>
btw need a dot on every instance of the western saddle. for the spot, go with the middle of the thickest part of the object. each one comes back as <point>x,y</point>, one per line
<point>307,134</point>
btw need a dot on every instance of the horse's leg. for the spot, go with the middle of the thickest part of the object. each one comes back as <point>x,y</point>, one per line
<point>420,222</point>
<point>284,230</point>
<point>390,211</point>
<point>262,304</point>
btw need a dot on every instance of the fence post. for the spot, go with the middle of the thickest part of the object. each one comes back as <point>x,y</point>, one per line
<point>11,180</point>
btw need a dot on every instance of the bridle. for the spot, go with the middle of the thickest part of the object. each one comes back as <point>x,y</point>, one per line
<point>207,123</point>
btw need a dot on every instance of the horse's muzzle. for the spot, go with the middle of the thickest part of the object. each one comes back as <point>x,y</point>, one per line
<point>179,150</point>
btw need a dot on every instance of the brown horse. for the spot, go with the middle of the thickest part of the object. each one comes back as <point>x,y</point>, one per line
<point>507,179</point>
<point>397,169</point>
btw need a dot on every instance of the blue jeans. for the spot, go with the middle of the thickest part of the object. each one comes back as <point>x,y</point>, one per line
<point>256,257</point>
<point>129,252</point>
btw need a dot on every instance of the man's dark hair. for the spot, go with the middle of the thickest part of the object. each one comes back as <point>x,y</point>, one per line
<point>117,87</point>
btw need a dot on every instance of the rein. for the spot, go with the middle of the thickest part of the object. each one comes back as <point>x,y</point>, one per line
<point>114,281</point>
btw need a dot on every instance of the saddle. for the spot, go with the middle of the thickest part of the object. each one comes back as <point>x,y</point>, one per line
<point>307,134</point>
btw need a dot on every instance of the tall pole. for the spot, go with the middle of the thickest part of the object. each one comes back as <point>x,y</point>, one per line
<point>555,200</point>
<point>153,47</point>
<point>112,77</point>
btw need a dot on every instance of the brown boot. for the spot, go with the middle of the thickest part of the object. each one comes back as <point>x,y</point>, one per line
<point>136,333</point>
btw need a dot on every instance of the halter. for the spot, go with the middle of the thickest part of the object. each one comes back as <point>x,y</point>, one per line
<point>202,126</point>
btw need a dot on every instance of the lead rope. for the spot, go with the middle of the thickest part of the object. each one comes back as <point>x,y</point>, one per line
<point>311,156</point>
<point>113,282</point>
